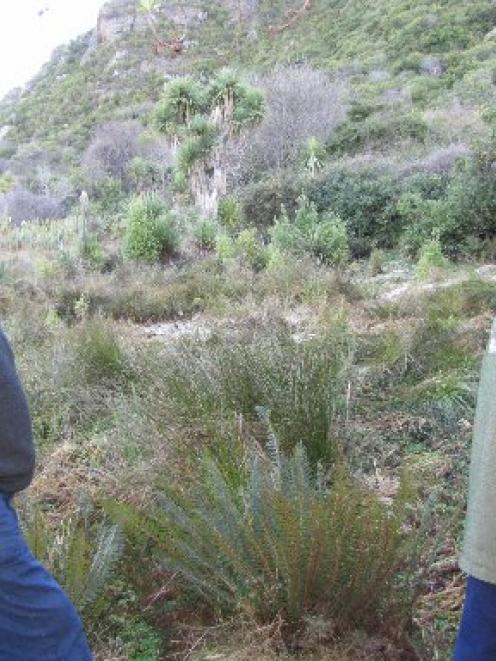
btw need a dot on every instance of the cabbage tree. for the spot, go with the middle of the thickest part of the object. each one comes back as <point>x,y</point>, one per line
<point>200,120</point>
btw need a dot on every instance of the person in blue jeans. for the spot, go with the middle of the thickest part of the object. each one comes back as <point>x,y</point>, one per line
<point>477,635</point>
<point>37,620</point>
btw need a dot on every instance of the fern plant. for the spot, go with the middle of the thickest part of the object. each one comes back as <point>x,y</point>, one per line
<point>289,542</point>
<point>81,563</point>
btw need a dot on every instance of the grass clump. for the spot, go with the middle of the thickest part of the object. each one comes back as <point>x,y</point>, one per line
<point>99,354</point>
<point>205,234</point>
<point>302,384</point>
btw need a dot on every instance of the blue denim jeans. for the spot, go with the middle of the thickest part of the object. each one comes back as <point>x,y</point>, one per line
<point>477,635</point>
<point>37,620</point>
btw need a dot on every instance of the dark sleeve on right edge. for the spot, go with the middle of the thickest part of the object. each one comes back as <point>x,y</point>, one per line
<point>16,438</point>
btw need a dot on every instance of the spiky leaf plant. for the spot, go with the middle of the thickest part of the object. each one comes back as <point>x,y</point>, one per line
<point>182,100</point>
<point>80,561</point>
<point>289,542</point>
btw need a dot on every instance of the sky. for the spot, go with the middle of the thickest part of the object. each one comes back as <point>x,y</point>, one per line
<point>31,29</point>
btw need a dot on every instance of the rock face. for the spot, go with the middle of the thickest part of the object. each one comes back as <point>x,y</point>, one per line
<point>119,17</point>
<point>116,18</point>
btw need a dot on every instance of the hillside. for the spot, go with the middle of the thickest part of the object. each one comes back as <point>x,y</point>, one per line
<point>393,53</point>
<point>254,243</point>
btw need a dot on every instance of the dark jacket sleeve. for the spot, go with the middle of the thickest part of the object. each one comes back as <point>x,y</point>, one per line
<point>16,438</point>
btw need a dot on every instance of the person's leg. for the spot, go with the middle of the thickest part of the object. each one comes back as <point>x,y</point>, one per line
<point>37,620</point>
<point>477,635</point>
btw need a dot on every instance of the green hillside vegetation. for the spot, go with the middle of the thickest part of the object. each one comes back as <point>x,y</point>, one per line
<point>255,301</point>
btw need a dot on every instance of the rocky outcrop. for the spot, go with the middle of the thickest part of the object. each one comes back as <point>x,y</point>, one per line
<point>116,18</point>
<point>119,17</point>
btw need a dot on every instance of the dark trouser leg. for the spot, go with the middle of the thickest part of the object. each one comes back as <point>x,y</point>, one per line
<point>37,620</point>
<point>477,636</point>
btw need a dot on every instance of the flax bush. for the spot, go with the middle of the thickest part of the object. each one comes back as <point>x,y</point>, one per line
<point>303,383</point>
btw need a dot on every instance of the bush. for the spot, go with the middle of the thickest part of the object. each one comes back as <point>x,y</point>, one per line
<point>224,247</point>
<point>21,205</point>
<point>108,197</point>
<point>323,236</point>
<point>366,200</point>
<point>261,202</point>
<point>377,130</point>
<point>92,252</point>
<point>431,258</point>
<point>151,231</point>
<point>228,214</point>
<point>330,240</point>
<point>470,204</point>
<point>205,234</point>
<point>249,249</point>
<point>284,543</point>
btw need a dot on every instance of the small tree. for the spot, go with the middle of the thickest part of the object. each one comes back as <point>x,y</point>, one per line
<point>200,120</point>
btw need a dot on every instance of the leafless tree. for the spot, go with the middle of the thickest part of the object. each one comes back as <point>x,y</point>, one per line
<point>111,150</point>
<point>301,103</point>
<point>22,205</point>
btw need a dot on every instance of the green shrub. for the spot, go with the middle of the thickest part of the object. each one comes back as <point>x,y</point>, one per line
<point>228,215</point>
<point>151,231</point>
<point>250,250</point>
<point>470,203</point>
<point>378,130</point>
<point>296,235</point>
<point>225,247</point>
<point>431,258</point>
<point>324,236</point>
<point>284,543</point>
<point>108,197</point>
<point>205,234</point>
<point>92,252</point>
<point>330,240</point>
<point>261,202</point>
<point>365,200</point>
<point>167,234</point>
<point>146,175</point>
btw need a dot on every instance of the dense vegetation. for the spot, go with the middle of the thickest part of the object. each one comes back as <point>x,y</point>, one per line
<point>255,302</point>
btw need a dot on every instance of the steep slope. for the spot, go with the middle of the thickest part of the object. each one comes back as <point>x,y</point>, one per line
<point>419,73</point>
<point>425,47</point>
